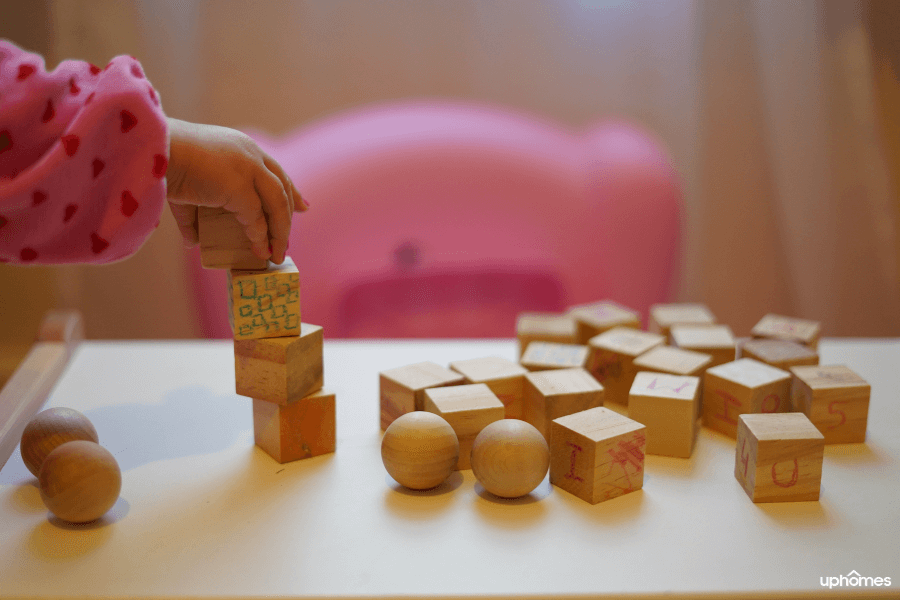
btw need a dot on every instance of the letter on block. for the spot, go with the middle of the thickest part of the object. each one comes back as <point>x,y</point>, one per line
<point>715,340</point>
<point>542,356</point>
<point>264,304</point>
<point>597,454</point>
<point>223,243</point>
<point>779,353</point>
<point>669,405</point>
<point>594,319</point>
<point>505,378</point>
<point>280,370</point>
<point>674,361</point>
<point>835,399</point>
<point>802,331</point>
<point>778,458</point>
<point>544,327</point>
<point>402,389</point>
<point>468,409</point>
<point>611,359</point>
<point>741,387</point>
<point>663,316</point>
<point>557,393</point>
<point>301,429</point>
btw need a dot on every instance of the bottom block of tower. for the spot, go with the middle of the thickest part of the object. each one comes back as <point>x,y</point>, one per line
<point>300,429</point>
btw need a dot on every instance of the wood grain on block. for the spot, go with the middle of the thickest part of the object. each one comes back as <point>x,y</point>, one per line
<point>791,329</point>
<point>672,360</point>
<point>541,356</point>
<point>740,387</point>
<point>593,319</point>
<point>663,316</point>
<point>611,359</point>
<point>264,304</point>
<point>505,378</point>
<point>778,457</point>
<point>835,399</point>
<point>468,409</point>
<point>223,242</point>
<point>669,407</point>
<point>597,454</point>
<point>301,429</point>
<point>545,327</point>
<point>716,340</point>
<point>402,389</point>
<point>779,353</point>
<point>280,370</point>
<point>557,393</point>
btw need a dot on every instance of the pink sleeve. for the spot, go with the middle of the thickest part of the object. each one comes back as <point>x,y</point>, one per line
<point>83,156</point>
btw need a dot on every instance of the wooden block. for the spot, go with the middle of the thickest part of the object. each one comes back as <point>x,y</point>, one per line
<point>545,327</point>
<point>301,429</point>
<point>468,409</point>
<point>779,353</point>
<point>672,360</point>
<point>223,243</point>
<point>663,316</point>
<point>778,457</point>
<point>802,331</point>
<point>264,304</point>
<point>280,370</point>
<point>835,399</point>
<point>611,359</point>
<point>715,340</point>
<point>557,393</point>
<point>740,387</point>
<point>542,356</point>
<point>402,389</point>
<point>669,407</point>
<point>594,319</point>
<point>505,378</point>
<point>597,454</point>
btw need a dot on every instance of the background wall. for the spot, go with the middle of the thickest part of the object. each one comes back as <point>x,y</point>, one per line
<point>775,114</point>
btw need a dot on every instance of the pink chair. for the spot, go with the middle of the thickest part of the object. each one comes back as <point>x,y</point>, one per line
<point>440,219</point>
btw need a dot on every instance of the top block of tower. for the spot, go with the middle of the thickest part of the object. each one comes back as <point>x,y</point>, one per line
<point>223,243</point>
<point>594,319</point>
<point>265,304</point>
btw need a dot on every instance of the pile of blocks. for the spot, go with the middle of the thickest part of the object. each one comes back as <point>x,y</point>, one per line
<point>278,359</point>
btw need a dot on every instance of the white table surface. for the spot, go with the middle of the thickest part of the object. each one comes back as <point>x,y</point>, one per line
<point>203,513</point>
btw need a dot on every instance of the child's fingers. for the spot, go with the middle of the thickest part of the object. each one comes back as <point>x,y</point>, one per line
<point>186,219</point>
<point>301,204</point>
<point>277,170</point>
<point>275,205</point>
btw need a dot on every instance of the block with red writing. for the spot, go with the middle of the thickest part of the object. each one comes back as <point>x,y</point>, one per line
<point>300,429</point>
<point>669,407</point>
<point>778,457</point>
<point>597,454</point>
<point>835,399</point>
<point>594,319</point>
<point>557,393</point>
<point>545,327</point>
<point>402,389</point>
<point>663,316</point>
<point>779,353</point>
<point>505,378</point>
<point>792,329</point>
<point>611,359</point>
<point>740,387</point>
<point>716,340</point>
<point>542,356</point>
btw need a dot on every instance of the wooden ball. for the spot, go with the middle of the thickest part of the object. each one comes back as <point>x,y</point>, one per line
<point>420,450</point>
<point>510,458</point>
<point>79,481</point>
<point>52,428</point>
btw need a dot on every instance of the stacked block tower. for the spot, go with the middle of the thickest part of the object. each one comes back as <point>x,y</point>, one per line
<point>278,360</point>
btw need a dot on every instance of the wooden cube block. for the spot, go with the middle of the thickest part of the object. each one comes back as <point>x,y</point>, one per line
<point>223,243</point>
<point>779,353</point>
<point>597,454</point>
<point>545,327</point>
<point>301,429</point>
<point>505,378</point>
<point>663,316</point>
<point>668,405</point>
<point>280,370</point>
<point>468,409</point>
<point>835,399</point>
<point>594,319</point>
<point>557,393</point>
<point>672,360</point>
<point>740,387</point>
<point>778,457</point>
<point>802,331</point>
<point>611,359</point>
<point>264,304</point>
<point>716,340</point>
<point>542,356</point>
<point>402,389</point>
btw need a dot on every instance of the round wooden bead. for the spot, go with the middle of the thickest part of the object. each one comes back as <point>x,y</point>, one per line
<point>510,458</point>
<point>79,481</point>
<point>420,450</point>
<point>49,429</point>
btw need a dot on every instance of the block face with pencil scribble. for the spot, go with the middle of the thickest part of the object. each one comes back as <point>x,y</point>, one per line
<point>264,304</point>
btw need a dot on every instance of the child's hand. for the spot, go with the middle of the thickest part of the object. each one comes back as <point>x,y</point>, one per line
<point>222,167</point>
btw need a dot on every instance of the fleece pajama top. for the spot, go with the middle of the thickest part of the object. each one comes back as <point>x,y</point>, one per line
<point>83,156</point>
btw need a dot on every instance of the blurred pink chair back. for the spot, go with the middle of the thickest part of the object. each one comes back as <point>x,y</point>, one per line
<point>438,219</point>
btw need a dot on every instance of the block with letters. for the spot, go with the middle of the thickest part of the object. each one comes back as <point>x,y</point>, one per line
<point>541,356</point>
<point>300,429</point>
<point>544,327</point>
<point>836,400</point>
<point>663,316</point>
<point>611,359</point>
<point>282,369</point>
<point>740,387</point>
<point>468,409</point>
<point>669,407</point>
<point>716,340</point>
<point>264,304</point>
<point>505,378</point>
<point>792,329</point>
<point>557,393</point>
<point>594,319</point>
<point>779,353</point>
<point>402,389</point>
